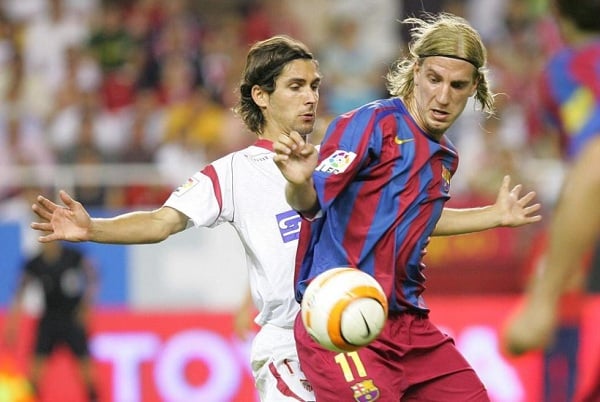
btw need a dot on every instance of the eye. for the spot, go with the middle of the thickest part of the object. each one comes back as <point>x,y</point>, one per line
<point>459,85</point>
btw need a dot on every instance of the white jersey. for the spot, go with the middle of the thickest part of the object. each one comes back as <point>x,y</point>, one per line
<point>246,189</point>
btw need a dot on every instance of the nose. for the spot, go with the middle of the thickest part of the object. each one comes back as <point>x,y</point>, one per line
<point>312,96</point>
<point>443,96</point>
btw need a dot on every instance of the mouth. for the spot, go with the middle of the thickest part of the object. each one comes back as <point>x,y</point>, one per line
<point>308,116</point>
<point>440,115</point>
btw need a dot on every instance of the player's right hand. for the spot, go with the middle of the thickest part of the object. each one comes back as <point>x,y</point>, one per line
<point>70,222</point>
<point>296,158</point>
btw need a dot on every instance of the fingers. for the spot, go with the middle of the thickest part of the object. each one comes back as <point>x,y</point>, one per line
<point>283,148</point>
<point>288,144</point>
<point>46,203</point>
<point>43,226</point>
<point>48,238</point>
<point>535,207</point>
<point>505,182</point>
<point>527,198</point>
<point>517,190</point>
<point>66,198</point>
<point>42,212</point>
<point>529,211</point>
<point>47,228</point>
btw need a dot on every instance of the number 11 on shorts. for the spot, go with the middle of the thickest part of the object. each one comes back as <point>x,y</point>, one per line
<point>344,360</point>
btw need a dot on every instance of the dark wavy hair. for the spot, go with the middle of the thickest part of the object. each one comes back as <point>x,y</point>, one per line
<point>264,63</point>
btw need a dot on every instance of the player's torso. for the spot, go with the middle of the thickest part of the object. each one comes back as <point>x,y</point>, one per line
<point>386,213</point>
<point>269,229</point>
<point>246,190</point>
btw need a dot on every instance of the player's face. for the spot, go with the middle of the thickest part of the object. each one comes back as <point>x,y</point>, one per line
<point>293,104</point>
<point>442,88</point>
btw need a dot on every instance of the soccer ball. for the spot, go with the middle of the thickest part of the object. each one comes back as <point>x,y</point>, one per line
<point>344,309</point>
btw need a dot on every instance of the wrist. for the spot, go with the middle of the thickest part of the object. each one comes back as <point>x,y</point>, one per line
<point>91,232</point>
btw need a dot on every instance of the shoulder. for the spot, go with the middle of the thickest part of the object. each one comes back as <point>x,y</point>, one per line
<point>374,107</point>
<point>369,112</point>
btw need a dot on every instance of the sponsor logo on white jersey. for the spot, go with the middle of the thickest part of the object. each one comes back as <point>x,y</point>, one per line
<point>289,225</point>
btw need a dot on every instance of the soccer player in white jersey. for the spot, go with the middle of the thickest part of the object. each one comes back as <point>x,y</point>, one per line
<point>279,92</point>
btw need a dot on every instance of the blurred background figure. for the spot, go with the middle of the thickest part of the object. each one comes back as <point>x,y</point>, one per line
<point>570,96</point>
<point>67,281</point>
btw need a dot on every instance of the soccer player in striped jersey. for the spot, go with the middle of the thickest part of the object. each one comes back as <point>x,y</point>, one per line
<point>372,196</point>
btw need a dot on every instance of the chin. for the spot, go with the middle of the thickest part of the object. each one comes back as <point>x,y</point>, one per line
<point>435,130</point>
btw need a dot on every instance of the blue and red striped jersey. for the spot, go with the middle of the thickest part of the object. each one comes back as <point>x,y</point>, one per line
<point>382,183</point>
<point>570,93</point>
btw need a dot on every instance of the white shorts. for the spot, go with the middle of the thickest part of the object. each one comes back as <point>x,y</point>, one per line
<point>275,367</point>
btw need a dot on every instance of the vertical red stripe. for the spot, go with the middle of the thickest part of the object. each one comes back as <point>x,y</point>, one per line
<point>211,173</point>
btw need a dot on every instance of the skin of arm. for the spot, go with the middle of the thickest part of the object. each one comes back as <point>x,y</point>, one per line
<point>510,209</point>
<point>72,222</point>
<point>573,231</point>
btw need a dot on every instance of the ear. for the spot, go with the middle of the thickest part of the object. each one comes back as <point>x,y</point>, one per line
<point>259,96</point>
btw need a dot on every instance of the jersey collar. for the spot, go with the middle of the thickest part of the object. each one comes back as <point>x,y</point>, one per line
<point>264,143</point>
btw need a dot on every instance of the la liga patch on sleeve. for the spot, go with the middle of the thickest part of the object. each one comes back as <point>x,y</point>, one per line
<point>337,162</point>
<point>185,187</point>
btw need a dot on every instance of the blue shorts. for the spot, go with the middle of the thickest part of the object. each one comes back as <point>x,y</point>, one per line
<point>412,360</point>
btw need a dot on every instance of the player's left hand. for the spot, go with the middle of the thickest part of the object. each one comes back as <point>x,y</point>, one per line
<point>513,209</point>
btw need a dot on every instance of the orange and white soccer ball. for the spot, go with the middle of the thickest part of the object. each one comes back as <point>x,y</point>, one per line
<point>344,309</point>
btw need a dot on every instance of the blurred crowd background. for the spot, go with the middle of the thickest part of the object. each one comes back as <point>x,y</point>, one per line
<point>119,101</point>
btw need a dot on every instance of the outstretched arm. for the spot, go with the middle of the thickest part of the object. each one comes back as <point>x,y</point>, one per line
<point>573,232</point>
<point>510,209</point>
<point>72,222</point>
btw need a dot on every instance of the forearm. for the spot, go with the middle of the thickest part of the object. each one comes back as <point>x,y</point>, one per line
<point>302,197</point>
<point>573,231</point>
<point>466,220</point>
<point>139,227</point>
